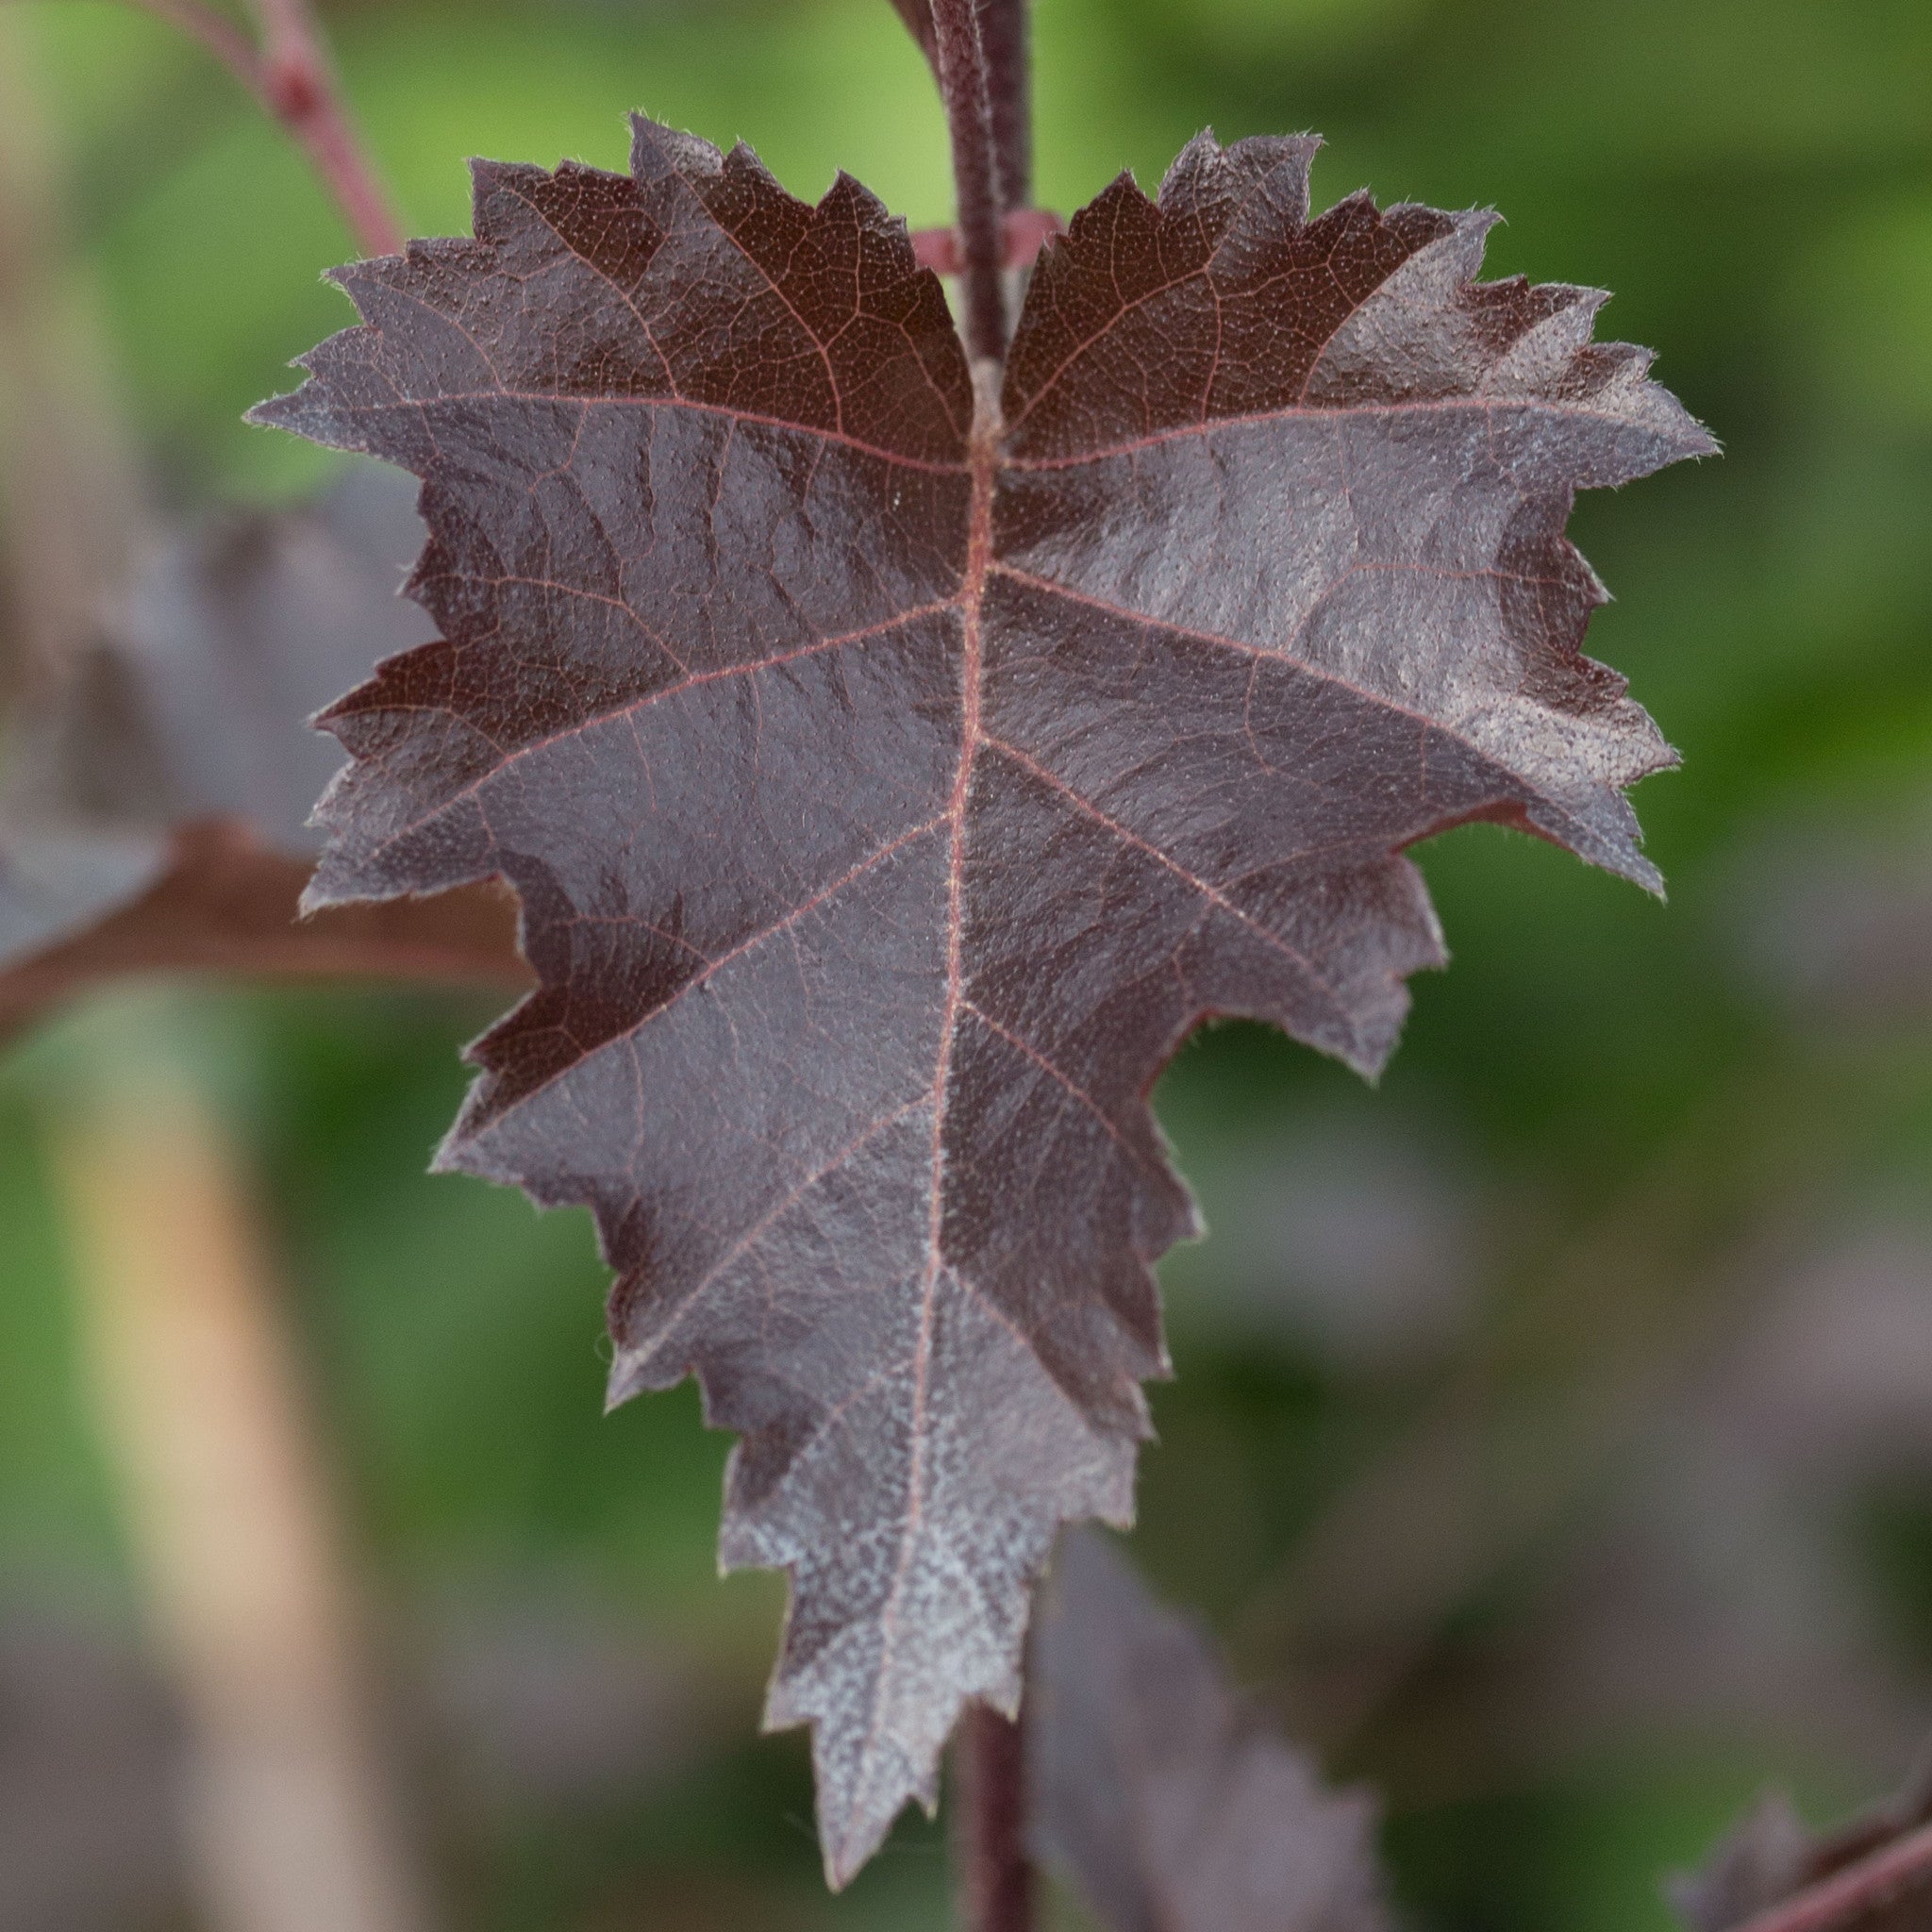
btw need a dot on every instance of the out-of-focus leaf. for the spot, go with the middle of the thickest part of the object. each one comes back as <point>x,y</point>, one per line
<point>1706,1591</point>
<point>196,699</point>
<point>1836,919</point>
<point>892,773</point>
<point>1765,1858</point>
<point>1350,1236</point>
<point>156,806</point>
<point>1172,1803</point>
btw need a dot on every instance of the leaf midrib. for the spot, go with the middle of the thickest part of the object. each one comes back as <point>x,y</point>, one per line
<point>982,463</point>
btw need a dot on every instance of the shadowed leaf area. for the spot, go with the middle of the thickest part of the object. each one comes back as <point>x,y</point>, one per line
<point>157,795</point>
<point>895,763</point>
<point>1173,1805</point>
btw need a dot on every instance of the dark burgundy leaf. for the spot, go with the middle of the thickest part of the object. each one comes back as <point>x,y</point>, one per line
<point>1874,1874</point>
<point>891,780</point>
<point>1166,1797</point>
<point>156,803</point>
<point>1765,1858</point>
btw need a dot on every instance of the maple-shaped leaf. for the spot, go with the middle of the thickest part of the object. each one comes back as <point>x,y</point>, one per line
<point>1169,1800</point>
<point>892,776</point>
<point>156,801</point>
<point>1874,1874</point>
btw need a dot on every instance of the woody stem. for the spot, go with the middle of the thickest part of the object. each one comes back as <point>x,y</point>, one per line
<point>1892,1875</point>
<point>959,56</point>
<point>289,73</point>
<point>990,1830</point>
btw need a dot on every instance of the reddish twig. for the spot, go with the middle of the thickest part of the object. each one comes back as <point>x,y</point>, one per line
<point>961,63</point>
<point>290,75</point>
<point>1003,33</point>
<point>990,1830</point>
<point>1854,1896</point>
<point>299,87</point>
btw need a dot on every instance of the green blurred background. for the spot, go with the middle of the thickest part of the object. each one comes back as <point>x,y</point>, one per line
<point>1551,1440</point>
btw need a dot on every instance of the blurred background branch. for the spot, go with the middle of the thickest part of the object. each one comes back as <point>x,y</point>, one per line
<point>288,71</point>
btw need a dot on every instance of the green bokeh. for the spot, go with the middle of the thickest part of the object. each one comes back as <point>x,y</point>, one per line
<point>1753,178</point>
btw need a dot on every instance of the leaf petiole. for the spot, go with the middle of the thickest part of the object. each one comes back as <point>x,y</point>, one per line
<point>960,60</point>
<point>989,1829</point>
<point>298,86</point>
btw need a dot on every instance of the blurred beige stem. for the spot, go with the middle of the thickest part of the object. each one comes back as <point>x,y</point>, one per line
<point>230,1517</point>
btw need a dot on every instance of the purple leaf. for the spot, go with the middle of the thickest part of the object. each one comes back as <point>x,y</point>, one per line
<point>156,804</point>
<point>1173,1805</point>
<point>895,769</point>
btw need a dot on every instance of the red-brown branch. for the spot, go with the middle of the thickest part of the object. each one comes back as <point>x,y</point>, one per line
<point>300,89</point>
<point>1852,1898</point>
<point>290,75</point>
<point>960,58</point>
<point>990,1830</point>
